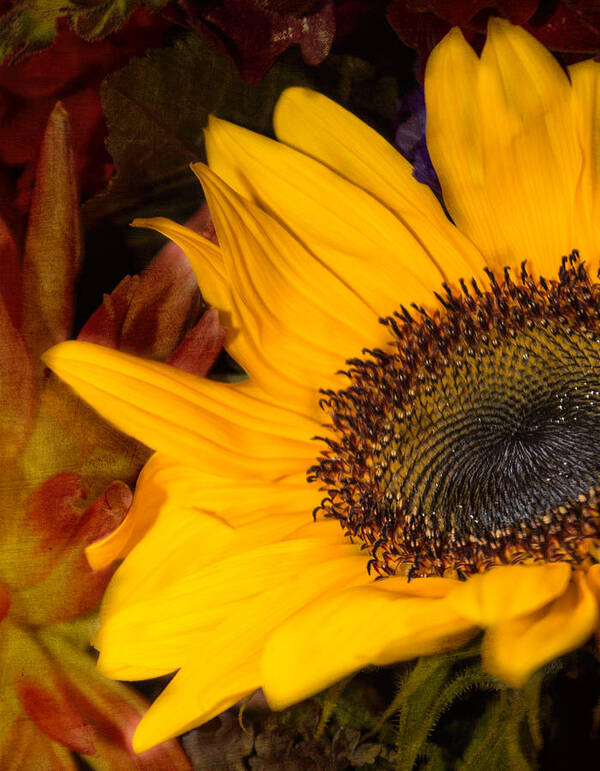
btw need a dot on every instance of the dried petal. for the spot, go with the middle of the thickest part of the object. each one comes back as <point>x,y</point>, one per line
<point>16,388</point>
<point>53,244</point>
<point>261,34</point>
<point>72,588</point>
<point>197,353</point>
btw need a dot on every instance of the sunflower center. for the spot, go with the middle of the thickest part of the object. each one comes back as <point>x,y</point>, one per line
<point>471,442</point>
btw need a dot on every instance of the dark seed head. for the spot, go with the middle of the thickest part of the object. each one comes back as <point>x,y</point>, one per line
<point>471,441</point>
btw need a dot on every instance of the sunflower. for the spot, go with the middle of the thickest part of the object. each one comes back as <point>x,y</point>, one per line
<point>412,457</point>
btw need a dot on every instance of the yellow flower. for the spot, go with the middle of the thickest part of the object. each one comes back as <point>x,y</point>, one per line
<point>463,438</point>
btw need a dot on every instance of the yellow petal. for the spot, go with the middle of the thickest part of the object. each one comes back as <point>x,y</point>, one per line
<point>185,542</point>
<point>237,502</point>
<point>508,591</point>
<point>357,238</point>
<point>189,571</point>
<point>585,82</point>
<point>224,429</point>
<point>502,138</point>
<point>188,702</point>
<point>156,564</point>
<point>342,633</point>
<point>209,267</point>
<point>514,649</point>
<point>434,587</point>
<point>208,262</point>
<point>454,137</point>
<point>322,129</point>
<point>223,666</point>
<point>142,514</point>
<point>292,307</point>
<point>593,579</point>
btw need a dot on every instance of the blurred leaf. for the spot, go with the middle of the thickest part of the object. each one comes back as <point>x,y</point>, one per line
<point>299,738</point>
<point>259,32</point>
<point>111,710</point>
<point>219,745</point>
<point>68,432</point>
<point>156,108</point>
<point>16,388</point>
<point>30,25</point>
<point>508,733</point>
<point>93,19</point>
<point>198,352</point>
<point>53,245</point>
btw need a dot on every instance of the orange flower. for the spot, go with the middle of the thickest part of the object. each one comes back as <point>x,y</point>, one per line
<point>58,494</point>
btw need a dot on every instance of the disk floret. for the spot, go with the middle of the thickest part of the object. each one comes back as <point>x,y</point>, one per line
<point>471,440</point>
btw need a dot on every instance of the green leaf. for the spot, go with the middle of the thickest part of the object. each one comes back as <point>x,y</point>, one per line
<point>100,18</point>
<point>425,691</point>
<point>27,28</point>
<point>415,706</point>
<point>508,734</point>
<point>156,108</point>
<point>93,19</point>
<point>30,25</point>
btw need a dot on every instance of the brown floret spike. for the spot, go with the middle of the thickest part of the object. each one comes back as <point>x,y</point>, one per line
<point>470,442</point>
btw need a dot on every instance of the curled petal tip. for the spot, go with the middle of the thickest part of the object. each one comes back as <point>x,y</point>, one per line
<point>49,356</point>
<point>53,357</point>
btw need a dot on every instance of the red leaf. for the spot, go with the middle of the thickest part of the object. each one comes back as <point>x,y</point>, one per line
<point>156,313</point>
<point>197,353</point>
<point>10,277</point>
<point>260,34</point>
<point>71,70</point>
<point>71,588</point>
<point>55,715</point>
<point>104,325</point>
<point>114,715</point>
<point>4,602</point>
<point>55,508</point>
<point>17,388</point>
<point>571,27</point>
<point>105,514</point>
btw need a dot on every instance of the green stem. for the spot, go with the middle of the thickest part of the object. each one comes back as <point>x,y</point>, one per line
<point>508,735</point>
<point>437,693</point>
<point>413,702</point>
<point>410,680</point>
<point>332,697</point>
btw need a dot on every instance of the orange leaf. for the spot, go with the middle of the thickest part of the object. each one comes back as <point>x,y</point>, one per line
<point>53,243</point>
<point>54,714</point>
<point>16,388</point>
<point>197,353</point>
